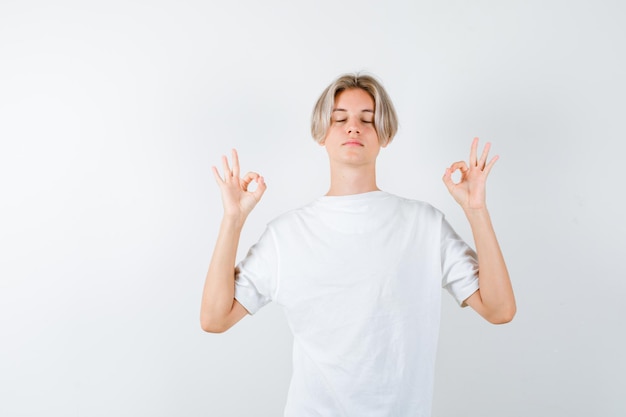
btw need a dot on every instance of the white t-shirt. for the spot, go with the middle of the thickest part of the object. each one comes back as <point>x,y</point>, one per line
<point>359,278</point>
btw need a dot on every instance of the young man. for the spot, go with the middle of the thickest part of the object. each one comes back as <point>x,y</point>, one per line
<point>358,271</point>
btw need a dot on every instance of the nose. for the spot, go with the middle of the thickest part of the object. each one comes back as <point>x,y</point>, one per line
<point>353,127</point>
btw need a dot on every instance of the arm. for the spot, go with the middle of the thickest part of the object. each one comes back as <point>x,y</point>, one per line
<point>220,310</point>
<point>494,300</point>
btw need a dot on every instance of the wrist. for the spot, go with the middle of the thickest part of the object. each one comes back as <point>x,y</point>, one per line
<point>233,220</point>
<point>476,212</point>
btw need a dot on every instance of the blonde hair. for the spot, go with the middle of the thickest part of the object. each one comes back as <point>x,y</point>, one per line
<point>385,118</point>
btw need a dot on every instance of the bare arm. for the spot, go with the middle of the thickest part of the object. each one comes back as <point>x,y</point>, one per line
<point>220,310</point>
<point>494,300</point>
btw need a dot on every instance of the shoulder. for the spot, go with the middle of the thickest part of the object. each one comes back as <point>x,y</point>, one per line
<point>417,208</point>
<point>290,218</point>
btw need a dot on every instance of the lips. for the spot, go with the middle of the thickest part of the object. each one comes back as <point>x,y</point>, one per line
<point>352,143</point>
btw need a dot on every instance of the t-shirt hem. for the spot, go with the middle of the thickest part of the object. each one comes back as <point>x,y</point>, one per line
<point>250,306</point>
<point>466,293</point>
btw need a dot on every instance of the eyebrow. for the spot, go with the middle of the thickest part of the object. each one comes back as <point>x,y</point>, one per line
<point>362,111</point>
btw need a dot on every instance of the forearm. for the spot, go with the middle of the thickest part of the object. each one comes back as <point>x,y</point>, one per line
<point>496,292</point>
<point>219,287</point>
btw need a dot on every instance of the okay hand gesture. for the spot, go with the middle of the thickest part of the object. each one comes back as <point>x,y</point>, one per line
<point>469,192</point>
<point>237,200</point>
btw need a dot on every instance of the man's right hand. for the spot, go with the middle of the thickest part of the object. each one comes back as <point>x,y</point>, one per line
<point>237,200</point>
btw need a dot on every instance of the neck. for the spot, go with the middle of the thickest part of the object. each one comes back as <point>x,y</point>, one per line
<point>349,180</point>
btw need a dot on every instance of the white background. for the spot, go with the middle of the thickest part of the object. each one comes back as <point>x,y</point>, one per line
<point>111,114</point>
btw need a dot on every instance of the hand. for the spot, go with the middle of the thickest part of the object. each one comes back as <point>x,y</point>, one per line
<point>237,200</point>
<point>469,192</point>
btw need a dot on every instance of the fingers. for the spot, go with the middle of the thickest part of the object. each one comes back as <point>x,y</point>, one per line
<point>227,172</point>
<point>483,158</point>
<point>248,178</point>
<point>260,181</point>
<point>482,162</point>
<point>447,177</point>
<point>216,174</point>
<point>235,158</point>
<point>474,153</point>
<point>260,189</point>
<point>459,165</point>
<point>462,166</point>
<point>491,164</point>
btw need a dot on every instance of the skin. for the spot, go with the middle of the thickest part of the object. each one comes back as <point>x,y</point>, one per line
<point>219,310</point>
<point>352,145</point>
<point>494,300</point>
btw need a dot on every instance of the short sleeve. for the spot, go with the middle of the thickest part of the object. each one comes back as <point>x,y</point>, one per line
<point>256,274</point>
<point>459,264</point>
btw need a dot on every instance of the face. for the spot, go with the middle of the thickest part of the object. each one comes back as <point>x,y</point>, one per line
<point>351,138</point>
